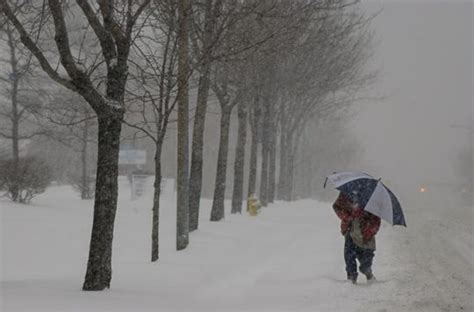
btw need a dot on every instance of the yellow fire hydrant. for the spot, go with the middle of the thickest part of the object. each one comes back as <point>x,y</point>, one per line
<point>253,205</point>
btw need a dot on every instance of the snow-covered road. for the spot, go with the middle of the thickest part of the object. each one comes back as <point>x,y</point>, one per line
<point>289,258</point>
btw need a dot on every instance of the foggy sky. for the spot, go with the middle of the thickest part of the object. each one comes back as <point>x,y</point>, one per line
<point>424,52</point>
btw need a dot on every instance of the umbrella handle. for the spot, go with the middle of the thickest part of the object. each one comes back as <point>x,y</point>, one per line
<point>325,181</point>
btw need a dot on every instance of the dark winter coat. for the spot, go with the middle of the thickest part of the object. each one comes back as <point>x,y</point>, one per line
<point>356,221</point>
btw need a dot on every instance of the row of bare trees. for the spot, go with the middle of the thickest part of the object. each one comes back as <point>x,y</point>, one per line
<point>275,66</point>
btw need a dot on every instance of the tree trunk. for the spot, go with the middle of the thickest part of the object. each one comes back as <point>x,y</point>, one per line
<point>286,167</point>
<point>217,212</point>
<point>239,162</point>
<point>272,166</point>
<point>14,191</point>
<point>195,179</point>
<point>253,149</point>
<point>265,154</point>
<point>182,211</point>
<point>15,118</point>
<point>110,116</point>
<point>291,174</point>
<point>285,150</point>
<point>99,268</point>
<point>156,204</point>
<point>264,174</point>
<point>290,166</point>
<point>283,161</point>
<point>253,164</point>
<point>85,192</point>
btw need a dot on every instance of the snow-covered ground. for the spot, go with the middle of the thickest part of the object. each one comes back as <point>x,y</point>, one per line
<point>289,258</point>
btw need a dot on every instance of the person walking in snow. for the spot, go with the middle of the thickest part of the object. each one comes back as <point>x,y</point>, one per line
<point>359,228</point>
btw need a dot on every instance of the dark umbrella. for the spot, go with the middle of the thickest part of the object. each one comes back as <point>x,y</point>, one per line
<point>369,193</point>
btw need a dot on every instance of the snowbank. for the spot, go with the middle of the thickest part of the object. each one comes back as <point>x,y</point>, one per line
<point>289,258</point>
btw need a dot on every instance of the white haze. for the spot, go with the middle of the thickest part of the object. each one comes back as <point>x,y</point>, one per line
<point>424,53</point>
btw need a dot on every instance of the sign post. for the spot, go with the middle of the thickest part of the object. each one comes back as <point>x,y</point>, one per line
<point>138,185</point>
<point>134,157</point>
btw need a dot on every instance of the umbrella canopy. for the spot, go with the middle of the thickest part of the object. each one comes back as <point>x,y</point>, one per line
<point>369,193</point>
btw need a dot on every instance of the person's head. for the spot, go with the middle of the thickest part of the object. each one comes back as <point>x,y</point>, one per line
<point>349,200</point>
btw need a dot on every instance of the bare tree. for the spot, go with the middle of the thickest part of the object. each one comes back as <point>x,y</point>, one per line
<point>224,31</point>
<point>254,120</point>
<point>204,49</point>
<point>320,78</point>
<point>23,99</point>
<point>239,160</point>
<point>277,25</point>
<point>31,177</point>
<point>248,34</point>
<point>114,27</point>
<point>182,226</point>
<point>154,100</point>
<point>229,95</point>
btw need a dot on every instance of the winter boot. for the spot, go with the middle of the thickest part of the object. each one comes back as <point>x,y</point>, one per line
<point>352,278</point>
<point>370,277</point>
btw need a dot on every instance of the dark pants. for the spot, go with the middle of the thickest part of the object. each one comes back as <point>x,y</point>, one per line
<point>353,252</point>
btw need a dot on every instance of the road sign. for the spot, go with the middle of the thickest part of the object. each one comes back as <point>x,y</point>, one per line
<point>132,157</point>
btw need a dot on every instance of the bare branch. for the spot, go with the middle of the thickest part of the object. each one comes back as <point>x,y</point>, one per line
<point>28,42</point>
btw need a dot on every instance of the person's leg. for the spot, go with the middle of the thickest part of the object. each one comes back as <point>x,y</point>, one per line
<point>350,258</point>
<point>366,257</point>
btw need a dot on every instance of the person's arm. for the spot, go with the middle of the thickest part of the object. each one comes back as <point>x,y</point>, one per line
<point>340,207</point>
